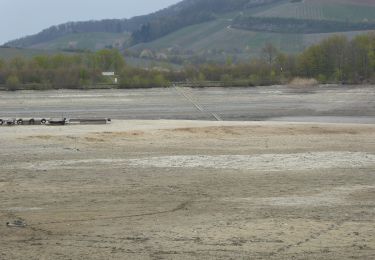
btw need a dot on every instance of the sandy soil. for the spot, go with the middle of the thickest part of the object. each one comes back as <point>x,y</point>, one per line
<point>188,190</point>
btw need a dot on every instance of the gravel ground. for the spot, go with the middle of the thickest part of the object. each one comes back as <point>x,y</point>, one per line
<point>188,190</point>
<point>339,104</point>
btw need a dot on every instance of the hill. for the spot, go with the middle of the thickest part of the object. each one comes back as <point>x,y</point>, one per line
<point>86,41</point>
<point>221,39</point>
<point>9,53</point>
<point>338,10</point>
<point>214,29</point>
<point>143,28</point>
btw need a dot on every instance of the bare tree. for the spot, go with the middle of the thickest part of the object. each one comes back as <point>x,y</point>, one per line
<point>269,53</point>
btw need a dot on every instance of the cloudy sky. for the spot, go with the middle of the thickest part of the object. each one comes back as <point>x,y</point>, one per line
<point>25,17</point>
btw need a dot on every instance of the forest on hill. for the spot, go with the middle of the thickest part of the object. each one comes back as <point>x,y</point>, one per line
<point>334,60</point>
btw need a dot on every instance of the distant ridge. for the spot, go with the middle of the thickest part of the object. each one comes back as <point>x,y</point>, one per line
<point>147,27</point>
<point>212,29</point>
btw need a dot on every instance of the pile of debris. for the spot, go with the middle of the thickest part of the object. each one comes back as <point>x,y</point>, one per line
<point>54,121</point>
<point>17,223</point>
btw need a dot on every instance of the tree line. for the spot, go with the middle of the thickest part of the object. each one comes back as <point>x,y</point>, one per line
<point>334,60</point>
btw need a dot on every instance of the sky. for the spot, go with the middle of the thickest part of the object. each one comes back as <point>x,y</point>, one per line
<point>19,18</point>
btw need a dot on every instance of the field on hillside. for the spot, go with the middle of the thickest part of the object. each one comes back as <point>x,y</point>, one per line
<point>353,2</point>
<point>322,11</point>
<point>9,53</point>
<point>85,41</point>
<point>218,35</point>
<point>217,40</point>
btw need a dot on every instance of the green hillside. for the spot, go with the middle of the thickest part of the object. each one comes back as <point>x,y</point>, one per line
<point>223,40</point>
<point>219,36</point>
<point>322,11</point>
<point>86,41</point>
<point>214,29</point>
<point>218,39</point>
<point>9,53</point>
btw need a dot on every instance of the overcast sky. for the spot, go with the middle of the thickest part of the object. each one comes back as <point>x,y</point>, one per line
<point>19,18</point>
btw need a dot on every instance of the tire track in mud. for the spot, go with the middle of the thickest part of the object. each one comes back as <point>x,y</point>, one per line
<point>181,206</point>
<point>312,237</point>
<point>37,238</point>
<point>316,235</point>
<point>84,241</point>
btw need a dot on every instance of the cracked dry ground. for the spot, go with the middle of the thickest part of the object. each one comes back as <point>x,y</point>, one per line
<point>189,193</point>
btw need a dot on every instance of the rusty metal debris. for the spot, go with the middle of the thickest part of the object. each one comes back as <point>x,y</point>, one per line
<point>53,121</point>
<point>17,224</point>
